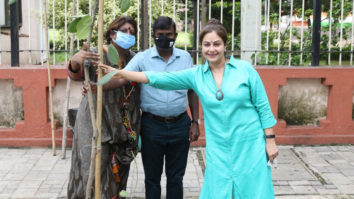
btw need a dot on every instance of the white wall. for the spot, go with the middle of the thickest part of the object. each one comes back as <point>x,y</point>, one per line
<point>31,35</point>
<point>11,98</point>
<point>59,95</point>
<point>311,91</point>
<point>11,106</point>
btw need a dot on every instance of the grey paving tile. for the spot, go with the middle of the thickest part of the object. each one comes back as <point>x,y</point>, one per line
<point>5,196</point>
<point>316,183</point>
<point>281,183</point>
<point>322,149</point>
<point>348,172</point>
<point>12,184</point>
<point>340,148</point>
<point>13,176</point>
<point>292,178</point>
<point>327,169</point>
<point>330,186</point>
<point>31,184</point>
<point>304,197</point>
<point>299,183</point>
<point>304,190</point>
<point>63,194</point>
<point>337,178</point>
<point>346,189</point>
<point>289,168</point>
<point>47,195</point>
<point>283,190</point>
<point>323,191</point>
<point>24,193</point>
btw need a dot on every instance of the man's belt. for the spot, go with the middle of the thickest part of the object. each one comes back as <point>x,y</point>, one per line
<point>165,119</point>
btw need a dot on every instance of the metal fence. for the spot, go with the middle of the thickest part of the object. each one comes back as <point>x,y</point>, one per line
<point>335,35</point>
<point>286,27</point>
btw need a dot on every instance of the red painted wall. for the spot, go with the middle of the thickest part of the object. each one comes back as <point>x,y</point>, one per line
<point>34,130</point>
<point>338,127</point>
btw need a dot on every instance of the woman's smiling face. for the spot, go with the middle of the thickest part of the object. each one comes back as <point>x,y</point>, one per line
<point>213,47</point>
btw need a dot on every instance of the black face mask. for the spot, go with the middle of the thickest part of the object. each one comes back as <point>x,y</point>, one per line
<point>164,42</point>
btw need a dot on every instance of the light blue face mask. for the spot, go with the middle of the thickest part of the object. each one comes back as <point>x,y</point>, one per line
<point>124,40</point>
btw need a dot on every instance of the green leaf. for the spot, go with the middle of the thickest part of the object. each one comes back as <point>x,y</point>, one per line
<point>113,55</point>
<point>123,194</point>
<point>78,16</point>
<point>72,26</point>
<point>12,2</point>
<point>124,5</point>
<point>83,27</point>
<point>107,78</point>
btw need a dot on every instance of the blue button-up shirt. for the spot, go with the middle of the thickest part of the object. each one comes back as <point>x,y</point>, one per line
<point>157,101</point>
<point>235,143</point>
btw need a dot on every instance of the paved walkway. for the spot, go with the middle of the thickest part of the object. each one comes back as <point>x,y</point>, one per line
<point>303,172</point>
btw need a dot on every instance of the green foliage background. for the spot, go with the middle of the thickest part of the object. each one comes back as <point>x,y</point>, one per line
<point>227,21</point>
<point>132,11</point>
<point>108,16</point>
<point>307,46</point>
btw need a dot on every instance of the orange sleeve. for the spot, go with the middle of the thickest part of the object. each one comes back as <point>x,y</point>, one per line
<point>76,76</point>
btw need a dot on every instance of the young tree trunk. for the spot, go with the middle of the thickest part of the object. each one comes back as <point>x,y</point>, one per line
<point>92,111</point>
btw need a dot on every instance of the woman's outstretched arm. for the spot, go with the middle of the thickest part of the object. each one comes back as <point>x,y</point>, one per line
<point>128,75</point>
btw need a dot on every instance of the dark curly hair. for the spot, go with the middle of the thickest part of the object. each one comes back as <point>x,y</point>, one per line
<point>116,24</point>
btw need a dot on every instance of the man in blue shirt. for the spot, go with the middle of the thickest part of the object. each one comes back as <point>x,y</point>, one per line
<point>166,128</point>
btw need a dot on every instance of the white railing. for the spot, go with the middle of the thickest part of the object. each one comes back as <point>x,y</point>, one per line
<point>291,19</point>
<point>280,35</point>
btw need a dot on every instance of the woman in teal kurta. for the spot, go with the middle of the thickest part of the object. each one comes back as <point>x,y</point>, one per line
<point>235,144</point>
<point>237,115</point>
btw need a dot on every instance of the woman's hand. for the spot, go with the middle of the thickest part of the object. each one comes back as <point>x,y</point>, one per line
<point>78,59</point>
<point>85,87</point>
<point>271,146</point>
<point>272,149</point>
<point>139,77</point>
<point>106,69</point>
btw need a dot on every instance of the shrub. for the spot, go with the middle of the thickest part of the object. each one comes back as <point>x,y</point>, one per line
<point>296,110</point>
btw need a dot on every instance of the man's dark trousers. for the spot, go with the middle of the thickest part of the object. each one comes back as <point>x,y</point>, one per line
<point>169,142</point>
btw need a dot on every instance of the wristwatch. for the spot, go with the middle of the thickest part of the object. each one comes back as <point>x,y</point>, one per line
<point>270,136</point>
<point>195,121</point>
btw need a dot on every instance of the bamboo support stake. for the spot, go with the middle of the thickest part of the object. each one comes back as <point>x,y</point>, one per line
<point>65,118</point>
<point>68,83</point>
<point>99,103</point>
<point>92,113</point>
<point>49,80</point>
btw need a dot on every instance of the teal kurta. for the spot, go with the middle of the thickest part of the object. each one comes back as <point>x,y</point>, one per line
<point>236,161</point>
